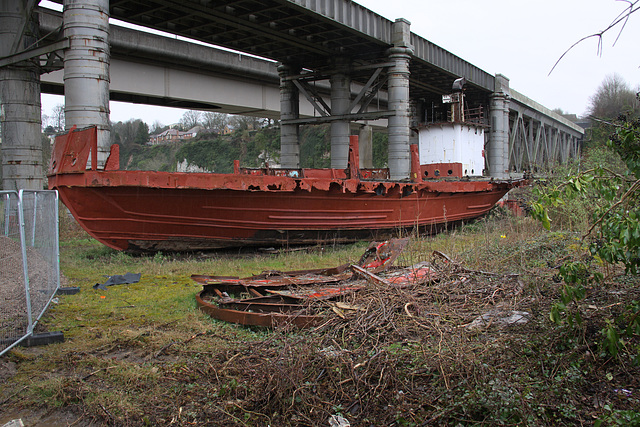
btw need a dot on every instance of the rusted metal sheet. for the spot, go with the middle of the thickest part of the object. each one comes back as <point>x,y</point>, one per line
<point>369,276</point>
<point>380,255</point>
<point>441,170</point>
<point>402,278</point>
<point>277,279</point>
<point>411,276</point>
<point>323,293</point>
<point>270,319</point>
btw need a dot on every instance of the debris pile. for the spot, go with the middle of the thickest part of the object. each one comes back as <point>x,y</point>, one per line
<point>367,294</point>
<point>376,337</point>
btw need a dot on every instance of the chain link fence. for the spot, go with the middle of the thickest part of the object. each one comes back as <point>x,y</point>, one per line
<point>29,261</point>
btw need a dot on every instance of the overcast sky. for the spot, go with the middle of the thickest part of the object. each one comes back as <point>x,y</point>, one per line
<point>520,39</point>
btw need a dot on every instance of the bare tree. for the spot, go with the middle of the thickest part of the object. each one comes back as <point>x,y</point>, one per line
<point>44,120</point>
<point>57,118</point>
<point>215,121</point>
<point>190,119</point>
<point>239,122</point>
<point>156,127</point>
<point>612,98</point>
<point>620,22</point>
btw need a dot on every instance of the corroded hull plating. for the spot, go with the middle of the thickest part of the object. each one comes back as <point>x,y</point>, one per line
<point>163,211</point>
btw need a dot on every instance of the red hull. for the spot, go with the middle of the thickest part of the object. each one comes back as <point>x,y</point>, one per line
<point>162,211</point>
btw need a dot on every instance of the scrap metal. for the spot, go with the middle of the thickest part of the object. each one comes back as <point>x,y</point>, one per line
<point>301,298</point>
<point>273,297</point>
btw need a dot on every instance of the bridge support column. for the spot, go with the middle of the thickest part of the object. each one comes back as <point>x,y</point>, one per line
<point>365,147</point>
<point>416,116</point>
<point>86,68</point>
<point>289,109</point>
<point>398,88</point>
<point>498,150</point>
<point>20,98</point>
<point>340,100</point>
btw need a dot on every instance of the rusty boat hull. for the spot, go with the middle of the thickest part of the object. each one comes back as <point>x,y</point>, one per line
<point>165,211</point>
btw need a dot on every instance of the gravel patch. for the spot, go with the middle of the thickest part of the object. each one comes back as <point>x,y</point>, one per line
<point>13,306</point>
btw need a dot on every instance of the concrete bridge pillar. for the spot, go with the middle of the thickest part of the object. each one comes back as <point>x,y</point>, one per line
<point>416,114</point>
<point>289,109</point>
<point>498,150</point>
<point>398,90</point>
<point>365,147</point>
<point>86,68</point>
<point>340,100</point>
<point>20,100</point>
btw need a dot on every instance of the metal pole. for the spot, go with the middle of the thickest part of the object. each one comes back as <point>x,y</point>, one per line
<point>56,246</point>
<point>7,206</point>
<point>20,98</point>
<point>34,219</point>
<point>25,268</point>
<point>86,69</point>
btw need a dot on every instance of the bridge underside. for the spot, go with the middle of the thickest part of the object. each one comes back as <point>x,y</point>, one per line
<point>339,63</point>
<point>308,35</point>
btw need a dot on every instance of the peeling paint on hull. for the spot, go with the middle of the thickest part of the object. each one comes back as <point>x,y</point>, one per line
<point>162,211</point>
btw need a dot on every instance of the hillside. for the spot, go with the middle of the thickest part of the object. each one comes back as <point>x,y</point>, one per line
<point>216,153</point>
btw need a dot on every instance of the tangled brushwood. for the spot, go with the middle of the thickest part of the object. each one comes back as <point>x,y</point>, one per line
<point>376,359</point>
<point>452,347</point>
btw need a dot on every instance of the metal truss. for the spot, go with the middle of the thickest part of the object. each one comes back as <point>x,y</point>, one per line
<point>360,103</point>
<point>537,143</point>
<point>47,54</point>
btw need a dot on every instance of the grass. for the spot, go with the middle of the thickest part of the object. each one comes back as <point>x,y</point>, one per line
<point>142,354</point>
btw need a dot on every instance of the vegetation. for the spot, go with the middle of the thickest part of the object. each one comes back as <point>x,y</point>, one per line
<point>605,191</point>
<point>142,354</point>
<point>613,98</point>
<point>253,144</point>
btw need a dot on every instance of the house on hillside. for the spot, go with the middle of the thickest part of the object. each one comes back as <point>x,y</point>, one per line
<point>174,135</point>
<point>215,131</point>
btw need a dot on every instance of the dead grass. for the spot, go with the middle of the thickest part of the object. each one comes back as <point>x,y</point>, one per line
<point>141,354</point>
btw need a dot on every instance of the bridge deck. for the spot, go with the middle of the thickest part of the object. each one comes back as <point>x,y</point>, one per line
<point>307,32</point>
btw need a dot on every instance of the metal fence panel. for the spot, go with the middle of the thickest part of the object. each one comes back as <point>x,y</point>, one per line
<point>29,261</point>
<point>40,213</point>
<point>14,316</point>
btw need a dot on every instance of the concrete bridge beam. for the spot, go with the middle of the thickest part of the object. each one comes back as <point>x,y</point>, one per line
<point>20,97</point>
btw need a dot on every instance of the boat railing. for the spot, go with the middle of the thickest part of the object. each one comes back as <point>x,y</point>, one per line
<point>325,173</point>
<point>375,174</point>
<point>474,115</point>
<point>471,115</point>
